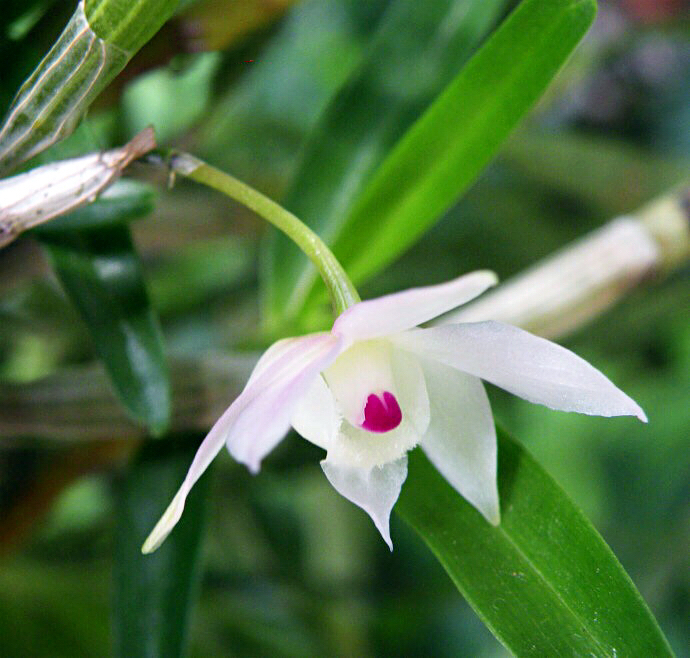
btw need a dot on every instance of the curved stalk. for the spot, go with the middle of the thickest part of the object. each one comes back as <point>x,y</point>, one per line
<point>343,293</point>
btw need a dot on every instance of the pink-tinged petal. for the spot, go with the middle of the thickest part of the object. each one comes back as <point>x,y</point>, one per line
<point>375,490</point>
<point>461,439</point>
<point>526,365</point>
<point>259,418</point>
<point>273,396</point>
<point>273,354</point>
<point>206,453</point>
<point>403,310</point>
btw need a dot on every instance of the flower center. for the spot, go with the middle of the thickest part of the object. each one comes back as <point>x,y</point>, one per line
<point>381,413</point>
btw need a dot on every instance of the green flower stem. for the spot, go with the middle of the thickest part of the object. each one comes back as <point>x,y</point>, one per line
<point>343,293</point>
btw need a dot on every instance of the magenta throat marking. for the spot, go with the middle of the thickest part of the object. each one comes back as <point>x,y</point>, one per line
<point>381,413</point>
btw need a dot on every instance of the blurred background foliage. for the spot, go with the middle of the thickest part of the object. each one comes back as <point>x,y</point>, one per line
<point>290,568</point>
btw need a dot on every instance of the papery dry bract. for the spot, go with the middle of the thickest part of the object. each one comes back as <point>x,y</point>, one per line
<point>57,188</point>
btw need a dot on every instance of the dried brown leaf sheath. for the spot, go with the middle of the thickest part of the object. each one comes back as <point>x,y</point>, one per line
<point>55,189</point>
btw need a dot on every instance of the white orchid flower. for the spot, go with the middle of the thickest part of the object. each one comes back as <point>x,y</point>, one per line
<point>376,386</point>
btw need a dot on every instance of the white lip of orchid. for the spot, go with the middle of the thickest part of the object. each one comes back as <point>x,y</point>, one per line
<point>321,384</point>
<point>364,369</point>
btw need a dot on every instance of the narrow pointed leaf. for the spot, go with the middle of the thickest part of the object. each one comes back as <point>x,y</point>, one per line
<point>100,271</point>
<point>543,581</point>
<point>154,594</point>
<point>417,50</point>
<point>94,47</point>
<point>438,158</point>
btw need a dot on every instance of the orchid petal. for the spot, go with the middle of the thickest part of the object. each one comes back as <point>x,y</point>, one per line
<point>526,365</point>
<point>374,367</point>
<point>461,439</point>
<point>206,453</point>
<point>360,370</point>
<point>362,449</point>
<point>411,389</point>
<point>316,417</point>
<point>265,417</point>
<point>375,490</point>
<point>273,354</point>
<point>403,310</point>
<point>258,419</point>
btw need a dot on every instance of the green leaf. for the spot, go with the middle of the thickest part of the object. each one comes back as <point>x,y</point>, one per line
<point>128,25</point>
<point>415,53</point>
<point>100,271</point>
<point>447,148</point>
<point>99,40</point>
<point>154,594</point>
<point>543,581</point>
<point>197,272</point>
